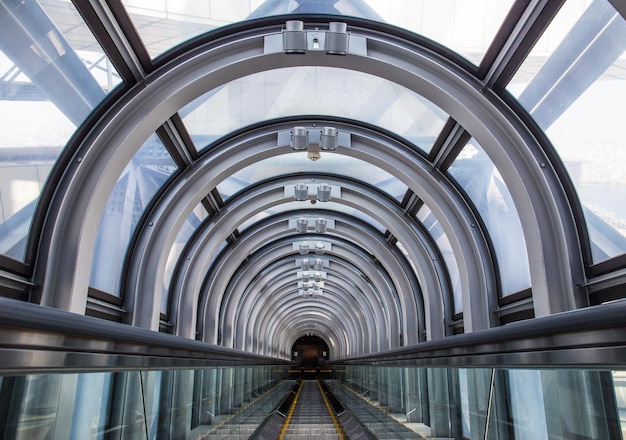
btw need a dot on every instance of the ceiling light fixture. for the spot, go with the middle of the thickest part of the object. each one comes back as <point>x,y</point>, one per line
<point>302,224</point>
<point>299,138</point>
<point>328,139</point>
<point>319,264</point>
<point>294,37</point>
<point>337,38</point>
<point>304,248</point>
<point>301,192</point>
<point>320,225</point>
<point>323,192</point>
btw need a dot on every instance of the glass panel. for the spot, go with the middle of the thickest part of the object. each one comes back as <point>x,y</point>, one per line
<point>432,225</point>
<point>464,403</point>
<point>393,402</point>
<point>164,24</point>
<point>197,216</point>
<point>402,249</point>
<point>91,409</point>
<point>52,74</point>
<point>141,179</point>
<point>480,403</point>
<point>574,84</point>
<point>224,402</point>
<point>477,175</point>
<point>68,405</point>
<point>332,163</point>
<point>619,382</point>
<point>324,91</point>
<point>467,26</point>
<point>527,404</point>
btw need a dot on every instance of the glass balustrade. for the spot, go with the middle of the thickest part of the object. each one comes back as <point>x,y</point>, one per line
<point>391,402</point>
<point>485,403</point>
<point>206,403</point>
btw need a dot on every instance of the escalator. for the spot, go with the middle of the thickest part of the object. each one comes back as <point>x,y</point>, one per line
<point>310,416</point>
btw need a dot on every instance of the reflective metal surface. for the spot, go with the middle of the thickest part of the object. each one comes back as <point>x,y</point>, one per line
<point>34,338</point>
<point>594,337</point>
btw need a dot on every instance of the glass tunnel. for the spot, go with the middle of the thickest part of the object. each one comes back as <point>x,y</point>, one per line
<point>312,219</point>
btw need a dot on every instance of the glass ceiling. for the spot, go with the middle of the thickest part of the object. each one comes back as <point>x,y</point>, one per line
<point>436,231</point>
<point>193,221</point>
<point>52,74</point>
<point>465,26</point>
<point>313,91</point>
<point>142,178</point>
<point>483,184</point>
<point>574,86</point>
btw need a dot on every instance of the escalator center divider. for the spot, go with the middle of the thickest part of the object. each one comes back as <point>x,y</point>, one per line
<point>340,430</point>
<point>328,394</point>
<point>285,405</point>
<point>270,428</point>
<point>290,413</point>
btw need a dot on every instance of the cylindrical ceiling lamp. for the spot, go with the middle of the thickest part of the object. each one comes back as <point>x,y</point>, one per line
<point>323,192</point>
<point>294,37</point>
<point>328,139</point>
<point>299,138</point>
<point>320,225</point>
<point>302,224</point>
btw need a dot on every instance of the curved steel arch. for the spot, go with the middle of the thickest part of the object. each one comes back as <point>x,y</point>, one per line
<point>284,248</point>
<point>477,271</point>
<point>394,328</point>
<point>358,198</point>
<point>287,301</point>
<point>244,248</point>
<point>280,254</point>
<point>254,294</point>
<point>297,331</point>
<point>344,303</point>
<point>555,264</point>
<point>291,311</point>
<point>355,291</point>
<point>291,334</point>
